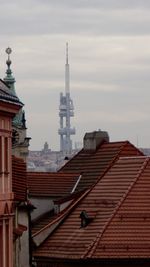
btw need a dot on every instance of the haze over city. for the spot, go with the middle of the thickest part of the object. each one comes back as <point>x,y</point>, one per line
<point>109,57</point>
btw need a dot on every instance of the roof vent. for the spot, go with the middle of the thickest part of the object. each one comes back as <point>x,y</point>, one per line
<point>94,139</point>
<point>85,218</point>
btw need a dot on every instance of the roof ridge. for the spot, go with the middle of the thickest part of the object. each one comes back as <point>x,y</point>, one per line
<point>92,247</point>
<point>128,142</point>
<point>116,142</point>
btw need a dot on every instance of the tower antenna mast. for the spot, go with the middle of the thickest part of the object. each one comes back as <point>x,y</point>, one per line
<point>66,111</point>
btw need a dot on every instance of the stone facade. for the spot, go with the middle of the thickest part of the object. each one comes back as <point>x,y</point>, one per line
<point>9,106</point>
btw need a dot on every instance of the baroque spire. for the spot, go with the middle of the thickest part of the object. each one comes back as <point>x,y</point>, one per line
<point>19,119</point>
<point>9,79</point>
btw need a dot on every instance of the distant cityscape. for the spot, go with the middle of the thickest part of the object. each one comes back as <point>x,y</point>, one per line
<point>46,160</point>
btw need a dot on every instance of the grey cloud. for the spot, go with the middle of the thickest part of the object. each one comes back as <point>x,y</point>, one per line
<point>93,17</point>
<point>108,4</point>
<point>109,55</point>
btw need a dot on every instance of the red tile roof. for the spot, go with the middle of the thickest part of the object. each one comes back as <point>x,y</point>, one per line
<point>128,232</point>
<point>120,225</point>
<point>56,220</point>
<point>51,184</point>
<point>19,179</point>
<point>92,165</point>
<point>6,94</point>
<point>48,218</point>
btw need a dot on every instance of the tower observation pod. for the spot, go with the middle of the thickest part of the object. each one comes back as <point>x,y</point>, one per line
<point>66,111</point>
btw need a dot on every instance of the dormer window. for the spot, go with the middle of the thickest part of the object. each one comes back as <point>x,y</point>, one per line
<point>85,218</point>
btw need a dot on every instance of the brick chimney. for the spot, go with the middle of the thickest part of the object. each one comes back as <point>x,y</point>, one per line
<point>94,139</point>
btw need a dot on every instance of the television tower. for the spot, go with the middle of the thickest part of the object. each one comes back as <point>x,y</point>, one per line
<point>66,111</point>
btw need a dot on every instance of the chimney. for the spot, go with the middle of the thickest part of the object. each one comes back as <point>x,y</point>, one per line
<point>94,139</point>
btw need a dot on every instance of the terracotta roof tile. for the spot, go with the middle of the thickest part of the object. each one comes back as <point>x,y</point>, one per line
<point>51,184</point>
<point>57,219</point>
<point>92,165</point>
<point>120,228</point>
<point>128,233</point>
<point>48,218</point>
<point>19,179</point>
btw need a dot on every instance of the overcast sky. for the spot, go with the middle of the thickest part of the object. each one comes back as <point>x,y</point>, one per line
<point>109,56</point>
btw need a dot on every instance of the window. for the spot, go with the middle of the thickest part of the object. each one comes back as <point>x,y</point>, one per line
<point>6,154</point>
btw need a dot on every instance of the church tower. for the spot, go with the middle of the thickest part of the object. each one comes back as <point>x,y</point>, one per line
<point>20,141</point>
<point>66,111</point>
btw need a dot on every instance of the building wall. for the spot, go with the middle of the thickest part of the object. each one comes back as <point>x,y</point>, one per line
<point>42,206</point>
<point>20,148</point>
<point>21,246</point>
<point>6,195</point>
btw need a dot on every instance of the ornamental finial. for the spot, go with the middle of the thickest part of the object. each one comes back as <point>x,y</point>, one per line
<point>9,79</point>
<point>8,62</point>
<point>8,50</point>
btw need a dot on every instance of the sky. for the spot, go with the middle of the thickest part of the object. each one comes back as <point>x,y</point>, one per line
<point>109,57</point>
